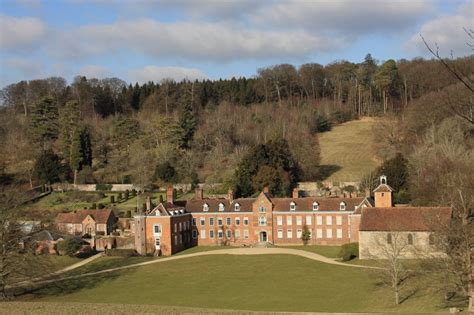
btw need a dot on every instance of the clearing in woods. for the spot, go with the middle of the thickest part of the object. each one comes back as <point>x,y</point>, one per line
<point>347,151</point>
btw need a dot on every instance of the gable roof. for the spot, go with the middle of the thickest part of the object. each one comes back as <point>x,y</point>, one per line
<point>383,188</point>
<point>100,216</point>
<point>404,218</point>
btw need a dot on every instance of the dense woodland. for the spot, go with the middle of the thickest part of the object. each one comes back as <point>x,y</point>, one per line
<point>104,131</point>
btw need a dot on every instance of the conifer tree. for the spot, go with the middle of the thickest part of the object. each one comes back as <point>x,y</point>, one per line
<point>69,119</point>
<point>81,152</point>
<point>44,121</point>
<point>188,123</point>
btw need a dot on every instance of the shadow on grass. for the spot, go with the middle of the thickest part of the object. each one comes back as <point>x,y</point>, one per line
<point>327,170</point>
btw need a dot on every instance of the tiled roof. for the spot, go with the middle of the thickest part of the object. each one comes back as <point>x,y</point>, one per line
<point>325,204</point>
<point>197,205</point>
<point>99,216</point>
<point>383,188</point>
<point>403,218</point>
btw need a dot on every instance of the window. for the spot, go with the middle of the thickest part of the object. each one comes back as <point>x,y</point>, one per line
<point>180,227</point>
<point>328,220</point>
<point>220,234</point>
<point>180,239</point>
<point>319,220</point>
<point>176,240</point>
<point>315,206</point>
<point>298,233</point>
<point>237,207</point>
<point>262,220</point>
<point>211,234</point>
<point>410,239</point>
<point>319,233</point>
<point>157,242</point>
<point>389,238</point>
<point>383,194</point>
<point>328,233</point>
<point>221,207</point>
<point>203,221</point>
<point>219,222</point>
<point>280,233</point>
<point>175,227</point>
<point>228,234</point>
<point>246,234</point>
<point>292,206</point>
<point>237,234</point>
<point>203,234</point>
<point>289,233</point>
<point>157,229</point>
<point>211,221</point>
<point>228,221</point>
<point>299,220</point>
<point>262,209</point>
<point>279,220</point>
<point>289,220</point>
<point>246,221</point>
<point>342,206</point>
<point>195,234</point>
<point>205,207</point>
<point>339,233</point>
<point>338,220</point>
<point>194,221</point>
<point>237,221</point>
<point>309,220</point>
<point>431,239</point>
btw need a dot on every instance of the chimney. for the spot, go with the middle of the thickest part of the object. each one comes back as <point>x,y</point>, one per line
<point>296,193</point>
<point>367,192</point>
<point>198,193</point>
<point>170,194</point>
<point>230,195</point>
<point>148,203</point>
<point>266,189</point>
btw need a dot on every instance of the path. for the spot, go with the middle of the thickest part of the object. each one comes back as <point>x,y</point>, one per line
<point>79,264</point>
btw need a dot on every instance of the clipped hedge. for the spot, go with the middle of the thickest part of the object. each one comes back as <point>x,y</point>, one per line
<point>100,187</point>
<point>349,251</point>
<point>121,252</point>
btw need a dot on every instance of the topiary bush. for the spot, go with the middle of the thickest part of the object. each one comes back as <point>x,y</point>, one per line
<point>349,251</point>
<point>69,246</point>
<point>126,194</point>
<point>103,187</point>
<point>112,199</point>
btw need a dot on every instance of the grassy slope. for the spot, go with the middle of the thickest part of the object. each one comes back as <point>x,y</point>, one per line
<point>347,149</point>
<point>273,283</point>
<point>328,251</point>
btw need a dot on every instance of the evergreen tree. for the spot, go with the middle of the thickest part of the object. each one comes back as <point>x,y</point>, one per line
<point>47,169</point>
<point>44,121</point>
<point>188,123</point>
<point>81,152</point>
<point>69,119</point>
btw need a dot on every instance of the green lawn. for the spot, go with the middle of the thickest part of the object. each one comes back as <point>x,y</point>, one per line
<point>328,251</point>
<point>347,150</point>
<point>266,282</point>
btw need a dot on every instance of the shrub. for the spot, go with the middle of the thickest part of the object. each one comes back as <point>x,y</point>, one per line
<point>126,194</point>
<point>101,206</point>
<point>94,206</point>
<point>120,252</point>
<point>69,246</point>
<point>349,251</point>
<point>134,192</point>
<point>128,214</point>
<point>320,123</point>
<point>120,196</point>
<point>165,172</point>
<point>103,187</point>
<point>112,199</point>
<point>100,233</point>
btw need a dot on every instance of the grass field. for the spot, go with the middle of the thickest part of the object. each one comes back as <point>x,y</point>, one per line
<point>327,251</point>
<point>347,152</point>
<point>266,282</point>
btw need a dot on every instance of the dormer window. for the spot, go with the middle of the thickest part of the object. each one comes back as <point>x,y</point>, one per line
<point>292,206</point>
<point>205,207</point>
<point>221,207</point>
<point>342,206</point>
<point>315,206</point>
<point>237,207</point>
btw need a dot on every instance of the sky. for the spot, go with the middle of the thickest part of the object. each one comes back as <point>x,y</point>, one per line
<point>150,40</point>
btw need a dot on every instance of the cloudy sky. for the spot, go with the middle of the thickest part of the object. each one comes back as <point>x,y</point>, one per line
<point>145,40</point>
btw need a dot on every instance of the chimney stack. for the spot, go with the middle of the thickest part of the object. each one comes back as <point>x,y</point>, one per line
<point>148,203</point>
<point>230,195</point>
<point>296,193</point>
<point>198,193</point>
<point>170,194</point>
<point>367,193</point>
<point>266,189</point>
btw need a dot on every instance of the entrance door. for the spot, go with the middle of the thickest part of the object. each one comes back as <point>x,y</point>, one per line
<point>263,236</point>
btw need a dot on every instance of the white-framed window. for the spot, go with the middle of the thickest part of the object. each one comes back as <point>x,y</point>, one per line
<point>237,207</point>
<point>262,209</point>
<point>237,234</point>
<point>221,207</point>
<point>279,220</point>
<point>203,221</point>
<point>342,206</point>
<point>180,227</point>
<point>194,221</point>
<point>289,220</point>
<point>203,234</point>
<point>228,221</point>
<point>319,233</point>
<point>315,206</point>
<point>328,220</point>
<point>328,233</point>
<point>176,240</point>
<point>292,206</point>
<point>220,234</point>
<point>339,233</point>
<point>228,234</point>
<point>338,220</point>
<point>205,207</point>
<point>157,243</point>
<point>309,220</point>
<point>246,221</point>
<point>195,234</point>
<point>220,222</point>
<point>289,233</point>
<point>237,221</point>
<point>262,220</point>
<point>299,220</point>
<point>175,227</point>
<point>211,234</point>
<point>246,234</point>
<point>211,221</point>
<point>280,233</point>
<point>319,220</point>
<point>299,232</point>
<point>157,229</point>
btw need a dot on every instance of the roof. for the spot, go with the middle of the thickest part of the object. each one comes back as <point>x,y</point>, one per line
<point>383,188</point>
<point>99,216</point>
<point>416,219</point>
<point>197,205</point>
<point>324,204</point>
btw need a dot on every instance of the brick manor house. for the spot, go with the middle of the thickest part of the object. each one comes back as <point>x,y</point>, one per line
<point>175,225</point>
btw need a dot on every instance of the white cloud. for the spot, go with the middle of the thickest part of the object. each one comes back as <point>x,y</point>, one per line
<point>94,71</point>
<point>20,33</point>
<point>157,74</point>
<point>27,67</point>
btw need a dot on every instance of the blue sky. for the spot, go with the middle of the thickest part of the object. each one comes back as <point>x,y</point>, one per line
<point>145,40</point>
